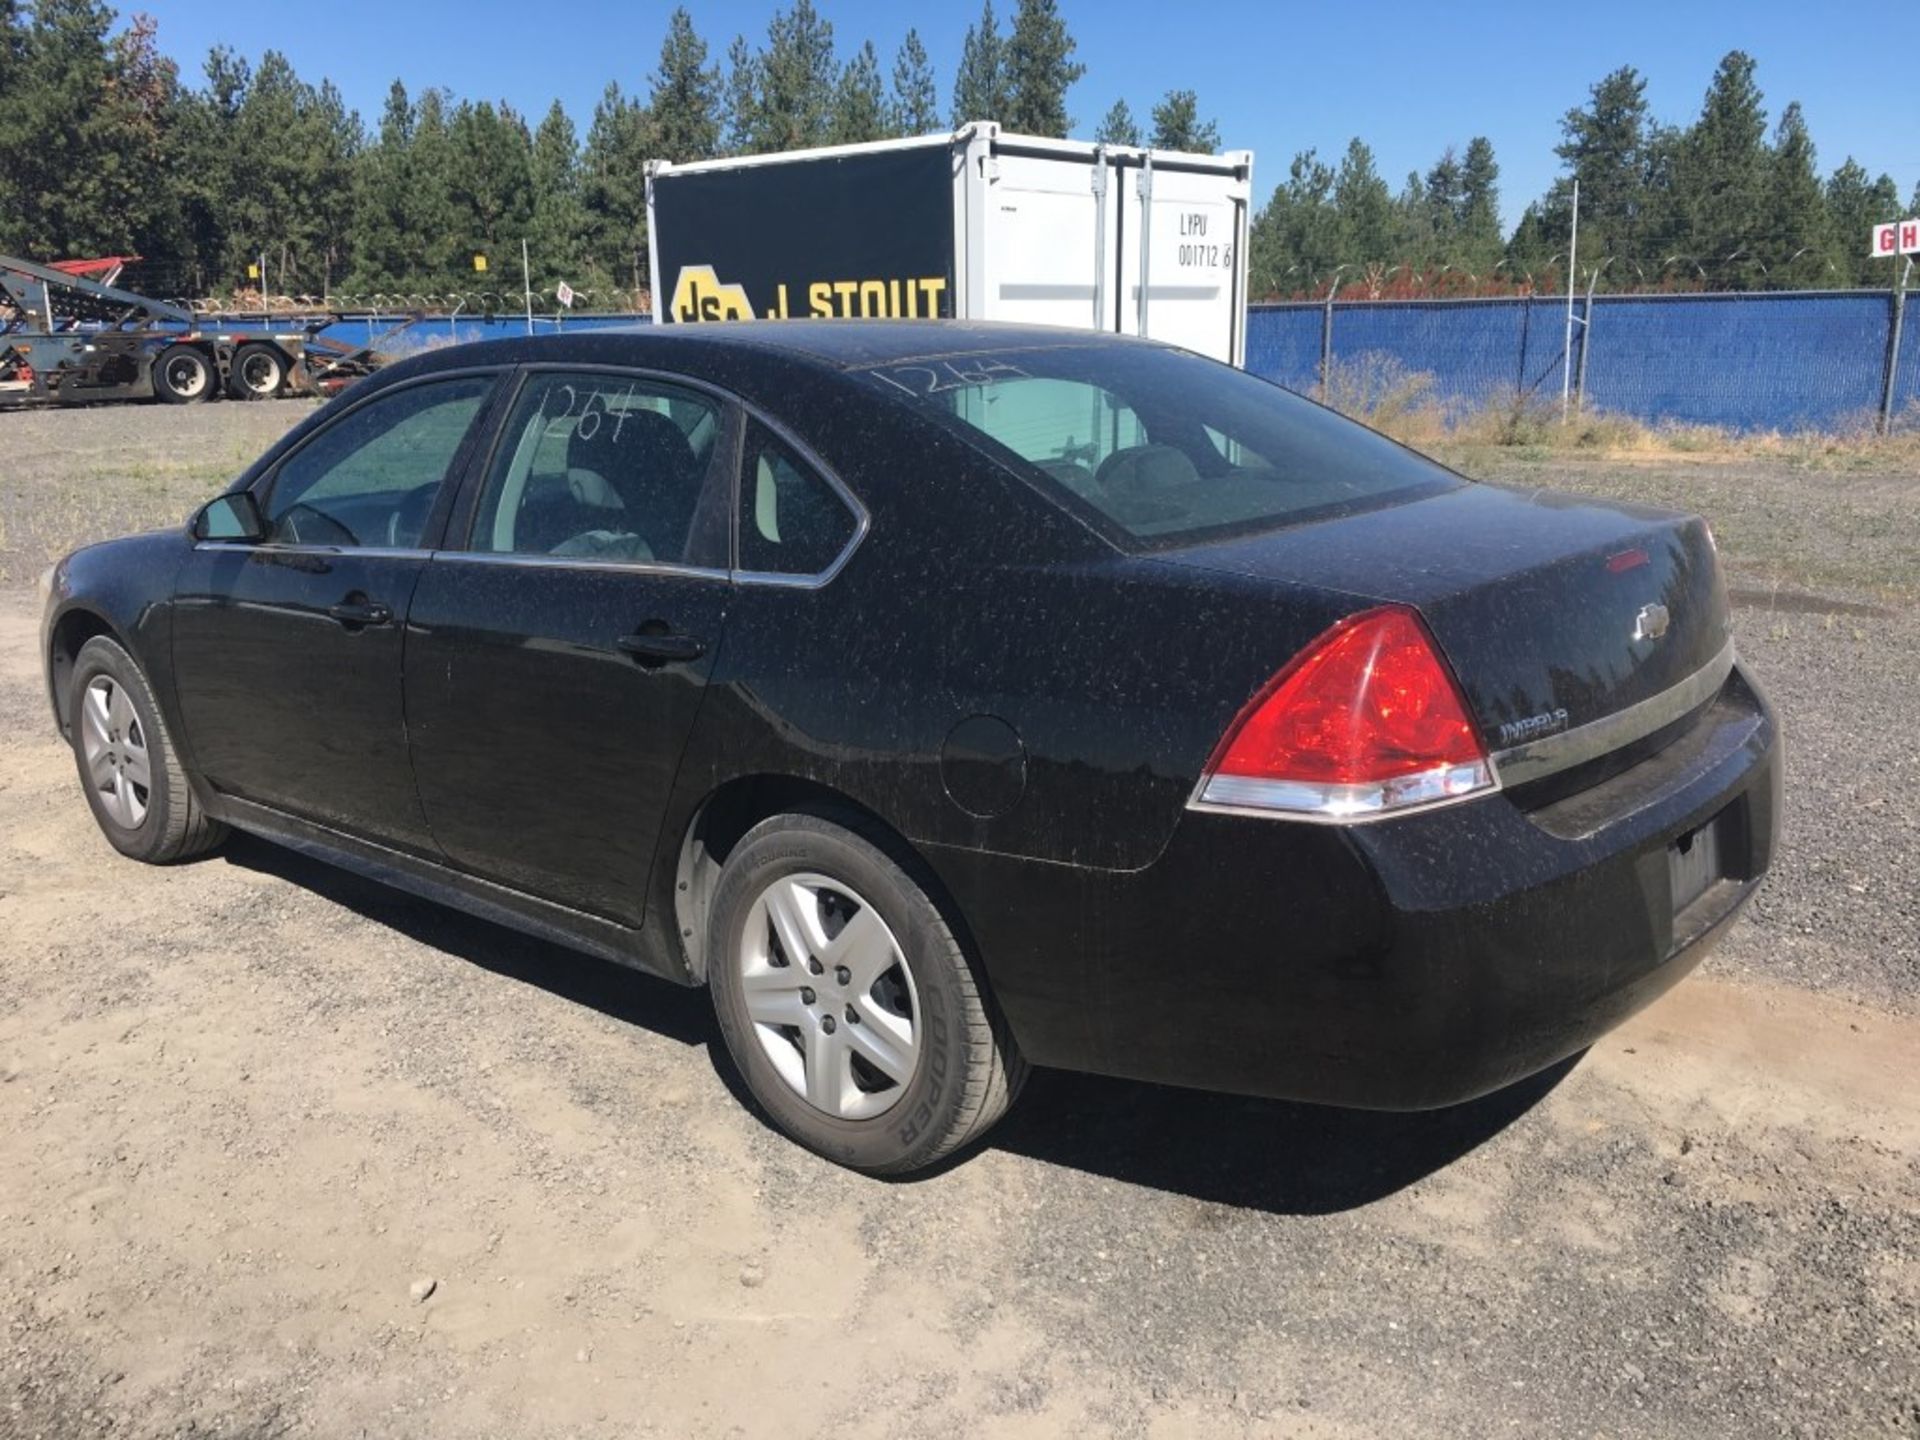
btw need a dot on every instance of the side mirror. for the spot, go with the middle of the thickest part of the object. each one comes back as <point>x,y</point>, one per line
<point>230,517</point>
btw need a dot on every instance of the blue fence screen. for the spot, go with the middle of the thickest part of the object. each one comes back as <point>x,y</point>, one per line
<point>1745,361</point>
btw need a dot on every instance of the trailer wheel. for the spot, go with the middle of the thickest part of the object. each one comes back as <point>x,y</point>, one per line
<point>257,373</point>
<point>183,375</point>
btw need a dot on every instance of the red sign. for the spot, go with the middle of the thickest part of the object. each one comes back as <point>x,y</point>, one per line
<point>1896,237</point>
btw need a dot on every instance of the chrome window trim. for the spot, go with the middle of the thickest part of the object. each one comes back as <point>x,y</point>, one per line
<point>1537,759</point>
<point>581,562</point>
<point>272,547</point>
<point>862,521</point>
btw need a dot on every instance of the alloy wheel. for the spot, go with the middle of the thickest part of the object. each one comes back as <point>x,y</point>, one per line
<point>115,747</point>
<point>830,995</point>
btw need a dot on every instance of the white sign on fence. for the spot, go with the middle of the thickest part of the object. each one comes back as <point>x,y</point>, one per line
<point>1896,237</point>
<point>564,294</point>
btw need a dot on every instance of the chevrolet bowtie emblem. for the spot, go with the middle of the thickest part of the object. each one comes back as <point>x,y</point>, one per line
<point>1650,623</point>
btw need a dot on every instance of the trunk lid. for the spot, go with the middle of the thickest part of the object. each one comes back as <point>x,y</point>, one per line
<point>1555,610</point>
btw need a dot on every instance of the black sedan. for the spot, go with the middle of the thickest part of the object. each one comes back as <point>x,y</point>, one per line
<point>950,699</point>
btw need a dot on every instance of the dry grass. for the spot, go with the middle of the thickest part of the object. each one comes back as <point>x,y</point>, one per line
<point>1380,391</point>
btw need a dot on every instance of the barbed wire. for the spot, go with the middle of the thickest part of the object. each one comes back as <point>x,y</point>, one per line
<point>1675,273</point>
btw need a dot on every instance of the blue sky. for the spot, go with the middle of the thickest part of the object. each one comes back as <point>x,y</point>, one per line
<point>1409,79</point>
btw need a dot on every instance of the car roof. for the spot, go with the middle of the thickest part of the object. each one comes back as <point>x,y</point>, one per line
<point>822,344</point>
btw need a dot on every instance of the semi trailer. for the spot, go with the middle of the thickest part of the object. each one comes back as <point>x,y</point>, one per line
<point>68,336</point>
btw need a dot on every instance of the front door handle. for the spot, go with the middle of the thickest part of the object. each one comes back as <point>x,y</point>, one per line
<point>659,649</point>
<point>355,613</point>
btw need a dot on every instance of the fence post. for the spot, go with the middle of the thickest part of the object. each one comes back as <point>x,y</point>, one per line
<point>1326,339</point>
<point>1891,371</point>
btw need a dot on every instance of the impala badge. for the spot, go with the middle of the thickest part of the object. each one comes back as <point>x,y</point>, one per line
<point>1650,623</point>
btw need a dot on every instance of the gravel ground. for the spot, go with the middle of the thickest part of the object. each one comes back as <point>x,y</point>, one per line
<point>283,1153</point>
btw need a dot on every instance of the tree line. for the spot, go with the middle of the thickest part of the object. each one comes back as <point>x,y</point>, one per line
<point>105,150</point>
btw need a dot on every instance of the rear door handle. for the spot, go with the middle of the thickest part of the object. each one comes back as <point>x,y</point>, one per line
<point>360,612</point>
<point>660,649</point>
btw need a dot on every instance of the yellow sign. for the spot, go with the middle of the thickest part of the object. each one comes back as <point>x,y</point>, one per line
<point>253,272</point>
<point>480,264</point>
<point>699,295</point>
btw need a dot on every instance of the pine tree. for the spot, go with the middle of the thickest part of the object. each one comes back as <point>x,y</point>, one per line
<point>1721,173</point>
<point>557,238</point>
<point>1040,70</point>
<point>1855,204</point>
<point>1797,248</point>
<point>613,185</point>
<point>798,81</point>
<point>914,108</point>
<point>1604,147</point>
<point>1119,127</point>
<point>1177,125</point>
<point>859,106</point>
<point>13,43</point>
<point>73,186</point>
<point>1365,207</point>
<point>1295,243</point>
<point>981,89</point>
<point>490,182</point>
<point>1535,254</point>
<point>741,103</point>
<point>278,177</point>
<point>1477,244</point>
<point>1417,234</point>
<point>683,95</point>
<point>1443,205</point>
<point>384,199</point>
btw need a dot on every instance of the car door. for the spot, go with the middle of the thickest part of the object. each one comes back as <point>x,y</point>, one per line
<point>287,651</point>
<point>556,659</point>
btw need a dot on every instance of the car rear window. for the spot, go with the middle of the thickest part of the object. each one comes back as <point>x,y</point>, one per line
<point>1161,447</point>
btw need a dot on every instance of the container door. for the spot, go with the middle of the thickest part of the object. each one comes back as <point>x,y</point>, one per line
<point>1193,231</point>
<point>1048,246</point>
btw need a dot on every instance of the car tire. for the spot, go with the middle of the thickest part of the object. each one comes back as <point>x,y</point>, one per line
<point>257,373</point>
<point>910,996</point>
<point>182,375</point>
<point>120,740</point>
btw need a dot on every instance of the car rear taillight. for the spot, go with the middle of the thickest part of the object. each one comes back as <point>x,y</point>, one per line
<point>1366,721</point>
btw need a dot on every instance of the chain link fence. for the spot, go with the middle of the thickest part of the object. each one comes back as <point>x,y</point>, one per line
<point>1786,361</point>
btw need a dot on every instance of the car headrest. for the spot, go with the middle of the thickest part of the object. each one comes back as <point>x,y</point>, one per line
<point>1145,469</point>
<point>639,454</point>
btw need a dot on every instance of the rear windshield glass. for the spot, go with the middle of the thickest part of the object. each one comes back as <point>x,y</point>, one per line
<point>1163,446</point>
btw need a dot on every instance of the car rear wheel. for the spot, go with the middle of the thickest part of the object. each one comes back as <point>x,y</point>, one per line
<point>182,375</point>
<point>131,773</point>
<point>850,1008</point>
<point>257,373</point>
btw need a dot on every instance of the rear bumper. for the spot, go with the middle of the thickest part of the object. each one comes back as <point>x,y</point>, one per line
<point>1404,964</point>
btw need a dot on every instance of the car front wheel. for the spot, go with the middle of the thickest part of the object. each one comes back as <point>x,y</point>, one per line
<point>850,1008</point>
<point>131,773</point>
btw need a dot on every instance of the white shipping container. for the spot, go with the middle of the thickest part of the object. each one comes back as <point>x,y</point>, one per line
<point>975,225</point>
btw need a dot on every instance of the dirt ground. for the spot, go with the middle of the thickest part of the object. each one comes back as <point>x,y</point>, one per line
<point>286,1154</point>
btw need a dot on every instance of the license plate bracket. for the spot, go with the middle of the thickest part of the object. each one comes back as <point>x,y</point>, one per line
<point>1694,863</point>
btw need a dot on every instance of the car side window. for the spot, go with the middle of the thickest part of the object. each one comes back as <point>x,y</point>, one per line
<point>369,479</point>
<point>604,466</point>
<point>792,522</point>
